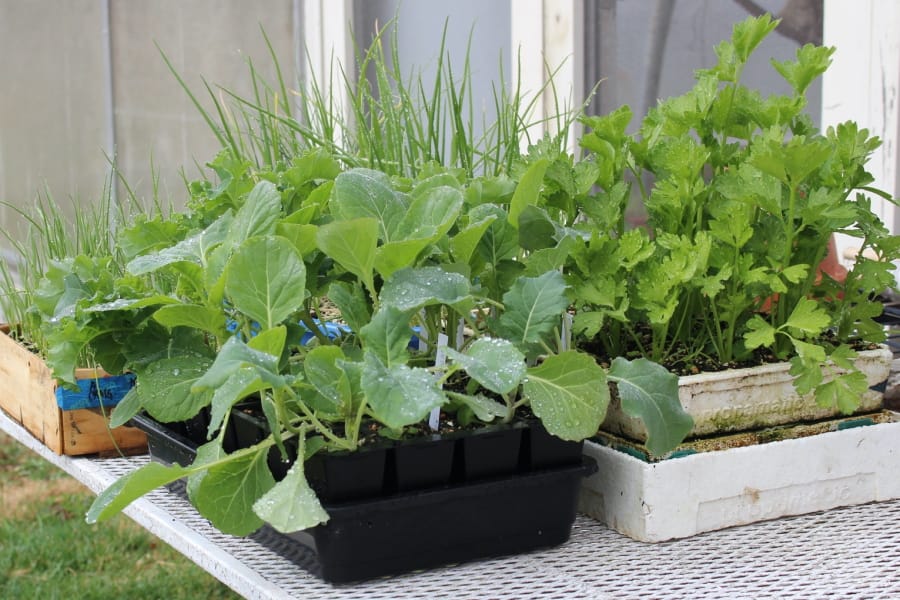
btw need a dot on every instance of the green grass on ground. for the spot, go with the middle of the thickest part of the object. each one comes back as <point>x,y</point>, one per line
<point>47,550</point>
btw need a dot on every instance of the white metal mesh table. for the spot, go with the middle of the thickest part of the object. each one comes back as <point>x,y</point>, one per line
<point>845,553</point>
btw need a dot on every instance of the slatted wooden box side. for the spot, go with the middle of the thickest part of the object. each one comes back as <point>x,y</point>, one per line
<point>27,394</point>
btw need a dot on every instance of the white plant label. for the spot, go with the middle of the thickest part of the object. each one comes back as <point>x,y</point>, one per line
<point>440,359</point>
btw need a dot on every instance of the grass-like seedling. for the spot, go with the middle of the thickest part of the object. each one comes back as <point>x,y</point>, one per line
<point>393,122</point>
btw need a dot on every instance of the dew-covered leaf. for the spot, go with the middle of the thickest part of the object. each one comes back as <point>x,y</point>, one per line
<point>187,250</point>
<point>165,385</point>
<point>234,355</point>
<point>131,303</point>
<point>302,236</point>
<point>399,395</point>
<point>411,289</point>
<point>360,193</point>
<point>483,407</point>
<point>569,394</point>
<point>291,505</point>
<point>533,308</point>
<point>324,372</point>
<point>496,364</point>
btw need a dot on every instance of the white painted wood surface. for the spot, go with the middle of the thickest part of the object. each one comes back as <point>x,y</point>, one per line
<point>863,85</point>
<point>329,50</point>
<point>547,39</point>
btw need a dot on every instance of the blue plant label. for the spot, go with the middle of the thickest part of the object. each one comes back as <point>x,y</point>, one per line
<point>95,392</point>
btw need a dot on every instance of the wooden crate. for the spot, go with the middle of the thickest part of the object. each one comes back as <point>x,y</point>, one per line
<point>27,394</point>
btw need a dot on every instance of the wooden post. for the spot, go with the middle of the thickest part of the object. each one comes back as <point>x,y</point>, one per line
<point>863,85</point>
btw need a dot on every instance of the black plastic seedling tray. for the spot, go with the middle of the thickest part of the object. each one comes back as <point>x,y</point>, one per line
<point>451,522</point>
<point>447,525</point>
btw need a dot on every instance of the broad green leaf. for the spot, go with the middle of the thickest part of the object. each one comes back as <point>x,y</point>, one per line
<point>192,315</point>
<point>533,308</point>
<point>496,189</point>
<point>187,250</point>
<point>214,274</point>
<point>229,490</point>
<point>130,487</point>
<point>257,216</point>
<point>536,229</point>
<point>549,259</point>
<point>165,385</point>
<point>303,237</point>
<point>396,255</point>
<point>463,244</point>
<point>352,245</point>
<point>483,407</point>
<point>431,214</point>
<point>128,406</point>
<point>387,335</point>
<point>363,193</point>
<point>528,191</point>
<point>270,341</point>
<point>266,280</point>
<point>153,342</point>
<point>589,323</point>
<point>216,233</point>
<point>351,301</point>
<point>411,289</point>
<point>760,334</point>
<point>240,384</point>
<point>233,355</point>
<point>324,372</point>
<point>291,505</point>
<point>808,317</point>
<point>501,240</point>
<point>399,395</point>
<point>131,304</point>
<point>313,165</point>
<point>270,411</point>
<point>650,393</point>
<point>147,235</point>
<point>569,394</point>
<point>496,364</point>
<point>207,453</point>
